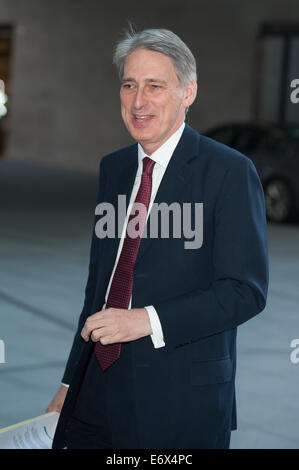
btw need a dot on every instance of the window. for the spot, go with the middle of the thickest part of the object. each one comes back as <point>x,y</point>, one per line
<point>277,64</point>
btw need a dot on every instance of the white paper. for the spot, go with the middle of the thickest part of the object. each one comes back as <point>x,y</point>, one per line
<point>35,433</point>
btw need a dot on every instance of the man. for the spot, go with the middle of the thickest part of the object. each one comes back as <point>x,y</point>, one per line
<point>154,358</point>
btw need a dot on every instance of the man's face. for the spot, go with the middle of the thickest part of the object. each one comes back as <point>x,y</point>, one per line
<point>152,100</point>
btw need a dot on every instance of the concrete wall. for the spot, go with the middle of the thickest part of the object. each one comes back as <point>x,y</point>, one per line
<point>64,107</point>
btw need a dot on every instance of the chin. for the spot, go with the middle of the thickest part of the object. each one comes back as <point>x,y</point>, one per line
<point>140,135</point>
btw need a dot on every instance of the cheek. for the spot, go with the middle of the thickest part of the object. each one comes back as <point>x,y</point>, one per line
<point>124,111</point>
<point>168,114</point>
<point>124,102</point>
<point>170,107</point>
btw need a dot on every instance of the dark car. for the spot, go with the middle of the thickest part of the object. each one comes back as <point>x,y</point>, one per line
<point>275,154</point>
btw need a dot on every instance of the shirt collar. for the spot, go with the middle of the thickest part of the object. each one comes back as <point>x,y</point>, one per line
<point>164,153</point>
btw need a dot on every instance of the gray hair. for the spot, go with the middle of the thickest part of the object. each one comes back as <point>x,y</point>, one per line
<point>159,40</point>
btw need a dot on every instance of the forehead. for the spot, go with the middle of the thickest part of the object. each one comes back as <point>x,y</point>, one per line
<point>144,64</point>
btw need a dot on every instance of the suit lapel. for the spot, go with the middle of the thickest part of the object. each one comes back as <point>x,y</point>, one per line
<point>176,176</point>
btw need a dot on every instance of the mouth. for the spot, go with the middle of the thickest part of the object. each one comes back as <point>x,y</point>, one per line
<point>141,120</point>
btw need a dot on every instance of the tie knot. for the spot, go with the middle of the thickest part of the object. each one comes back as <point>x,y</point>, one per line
<point>148,165</point>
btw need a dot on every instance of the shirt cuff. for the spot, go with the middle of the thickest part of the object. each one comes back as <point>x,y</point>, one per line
<point>65,385</point>
<point>157,335</point>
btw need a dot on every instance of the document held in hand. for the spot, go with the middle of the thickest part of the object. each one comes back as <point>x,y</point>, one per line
<point>35,433</point>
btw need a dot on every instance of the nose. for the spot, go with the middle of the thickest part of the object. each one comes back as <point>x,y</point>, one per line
<point>140,98</point>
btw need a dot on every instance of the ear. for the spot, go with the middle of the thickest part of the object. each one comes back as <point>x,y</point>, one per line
<point>190,93</point>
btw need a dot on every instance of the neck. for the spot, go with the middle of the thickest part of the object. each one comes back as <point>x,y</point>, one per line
<point>150,148</point>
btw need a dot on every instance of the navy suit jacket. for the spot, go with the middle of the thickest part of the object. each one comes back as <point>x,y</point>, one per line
<point>185,391</point>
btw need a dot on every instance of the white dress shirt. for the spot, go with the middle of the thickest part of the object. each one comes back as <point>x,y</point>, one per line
<point>162,157</point>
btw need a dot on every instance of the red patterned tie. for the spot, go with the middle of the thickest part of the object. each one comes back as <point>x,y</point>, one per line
<point>122,282</point>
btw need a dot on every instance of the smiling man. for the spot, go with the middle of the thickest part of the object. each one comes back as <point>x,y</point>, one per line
<point>153,102</point>
<point>154,358</point>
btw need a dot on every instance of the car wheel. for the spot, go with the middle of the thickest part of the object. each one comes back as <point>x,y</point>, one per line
<point>278,200</point>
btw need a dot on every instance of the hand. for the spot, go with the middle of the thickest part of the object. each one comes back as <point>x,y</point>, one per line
<point>58,400</point>
<point>116,325</point>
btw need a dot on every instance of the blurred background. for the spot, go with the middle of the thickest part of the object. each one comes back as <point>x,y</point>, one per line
<point>60,113</point>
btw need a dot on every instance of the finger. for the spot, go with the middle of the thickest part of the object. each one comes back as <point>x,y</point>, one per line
<point>108,340</point>
<point>84,333</point>
<point>90,325</point>
<point>86,330</point>
<point>99,334</point>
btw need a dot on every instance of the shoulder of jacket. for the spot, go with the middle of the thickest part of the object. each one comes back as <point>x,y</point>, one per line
<point>223,154</point>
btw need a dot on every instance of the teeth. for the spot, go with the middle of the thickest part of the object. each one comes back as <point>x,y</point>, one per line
<point>141,118</point>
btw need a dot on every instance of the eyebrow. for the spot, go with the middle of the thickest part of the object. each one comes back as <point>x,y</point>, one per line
<point>148,80</point>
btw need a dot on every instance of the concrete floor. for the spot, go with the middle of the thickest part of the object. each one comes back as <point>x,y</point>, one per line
<point>46,219</point>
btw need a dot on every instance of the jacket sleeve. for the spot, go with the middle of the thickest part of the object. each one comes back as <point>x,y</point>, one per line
<point>240,264</point>
<point>89,289</point>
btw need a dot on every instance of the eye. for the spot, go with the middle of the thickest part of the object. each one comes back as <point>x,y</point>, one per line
<point>127,86</point>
